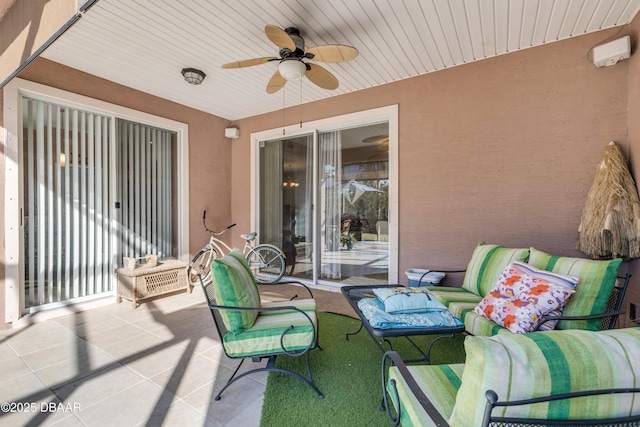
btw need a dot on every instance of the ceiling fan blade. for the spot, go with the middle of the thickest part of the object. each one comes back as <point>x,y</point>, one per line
<point>377,138</point>
<point>279,37</point>
<point>249,62</point>
<point>276,82</point>
<point>333,53</point>
<point>321,77</point>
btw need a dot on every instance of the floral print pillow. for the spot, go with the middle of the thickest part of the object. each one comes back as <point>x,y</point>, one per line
<point>519,300</point>
<point>564,280</point>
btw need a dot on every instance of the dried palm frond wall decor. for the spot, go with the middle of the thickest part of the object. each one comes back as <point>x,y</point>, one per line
<point>610,223</point>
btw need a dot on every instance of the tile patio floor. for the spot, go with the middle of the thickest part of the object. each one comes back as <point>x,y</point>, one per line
<point>160,364</point>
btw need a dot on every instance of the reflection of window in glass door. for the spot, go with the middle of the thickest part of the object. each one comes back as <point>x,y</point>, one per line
<point>353,200</point>
<point>286,196</point>
<point>347,240</point>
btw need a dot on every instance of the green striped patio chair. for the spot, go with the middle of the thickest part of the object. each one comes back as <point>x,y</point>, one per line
<point>554,378</point>
<point>253,330</point>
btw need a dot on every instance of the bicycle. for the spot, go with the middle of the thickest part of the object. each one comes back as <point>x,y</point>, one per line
<point>266,261</point>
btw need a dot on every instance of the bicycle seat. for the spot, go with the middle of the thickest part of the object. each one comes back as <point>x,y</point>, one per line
<point>249,237</point>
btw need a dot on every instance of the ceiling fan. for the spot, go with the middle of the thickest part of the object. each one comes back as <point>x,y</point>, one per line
<point>382,141</point>
<point>292,53</point>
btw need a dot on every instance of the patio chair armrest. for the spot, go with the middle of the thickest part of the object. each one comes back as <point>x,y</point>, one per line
<point>612,314</point>
<point>493,402</point>
<point>280,308</point>
<point>436,270</point>
<point>394,358</point>
<point>291,282</point>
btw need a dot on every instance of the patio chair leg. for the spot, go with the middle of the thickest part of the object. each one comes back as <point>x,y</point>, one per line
<point>270,367</point>
<point>231,380</point>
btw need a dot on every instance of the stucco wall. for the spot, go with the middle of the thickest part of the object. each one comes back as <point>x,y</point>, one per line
<point>25,29</point>
<point>634,157</point>
<point>209,150</point>
<point>502,150</point>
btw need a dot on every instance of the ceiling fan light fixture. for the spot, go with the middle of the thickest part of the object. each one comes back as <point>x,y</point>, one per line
<point>291,56</point>
<point>193,76</point>
<point>292,69</point>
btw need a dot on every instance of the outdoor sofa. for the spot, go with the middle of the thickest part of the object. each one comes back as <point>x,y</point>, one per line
<point>510,368</point>
<point>594,303</point>
<point>534,322</point>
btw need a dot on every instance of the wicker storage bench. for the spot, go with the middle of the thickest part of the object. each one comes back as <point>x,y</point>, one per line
<point>167,276</point>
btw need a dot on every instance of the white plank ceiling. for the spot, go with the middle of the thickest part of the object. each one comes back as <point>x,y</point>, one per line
<point>144,44</point>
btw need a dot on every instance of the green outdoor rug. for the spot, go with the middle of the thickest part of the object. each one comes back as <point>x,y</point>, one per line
<point>347,372</point>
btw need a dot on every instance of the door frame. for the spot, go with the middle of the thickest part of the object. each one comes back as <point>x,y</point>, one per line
<point>13,280</point>
<point>360,118</point>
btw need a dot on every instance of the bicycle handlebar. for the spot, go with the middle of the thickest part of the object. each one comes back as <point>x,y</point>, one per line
<point>204,223</point>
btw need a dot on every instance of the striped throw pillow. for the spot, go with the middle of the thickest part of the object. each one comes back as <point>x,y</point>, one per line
<point>523,366</point>
<point>487,264</point>
<point>597,280</point>
<point>235,286</point>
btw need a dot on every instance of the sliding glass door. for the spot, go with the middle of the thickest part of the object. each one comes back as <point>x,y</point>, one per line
<point>146,188</point>
<point>286,200</point>
<point>66,204</point>
<point>85,205</point>
<point>323,198</point>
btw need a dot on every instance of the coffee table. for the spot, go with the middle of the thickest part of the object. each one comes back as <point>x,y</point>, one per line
<point>353,294</point>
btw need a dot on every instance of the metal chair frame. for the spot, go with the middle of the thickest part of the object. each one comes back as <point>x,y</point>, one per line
<point>492,402</point>
<point>613,308</point>
<point>270,366</point>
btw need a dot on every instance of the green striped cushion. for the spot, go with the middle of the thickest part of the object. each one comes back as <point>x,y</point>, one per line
<point>597,280</point>
<point>450,297</point>
<point>235,286</point>
<point>477,324</point>
<point>523,366</point>
<point>461,303</point>
<point>438,382</point>
<point>264,336</point>
<point>239,256</point>
<point>486,264</point>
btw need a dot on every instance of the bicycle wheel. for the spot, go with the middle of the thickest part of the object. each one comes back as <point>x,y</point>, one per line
<point>267,263</point>
<point>201,265</point>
